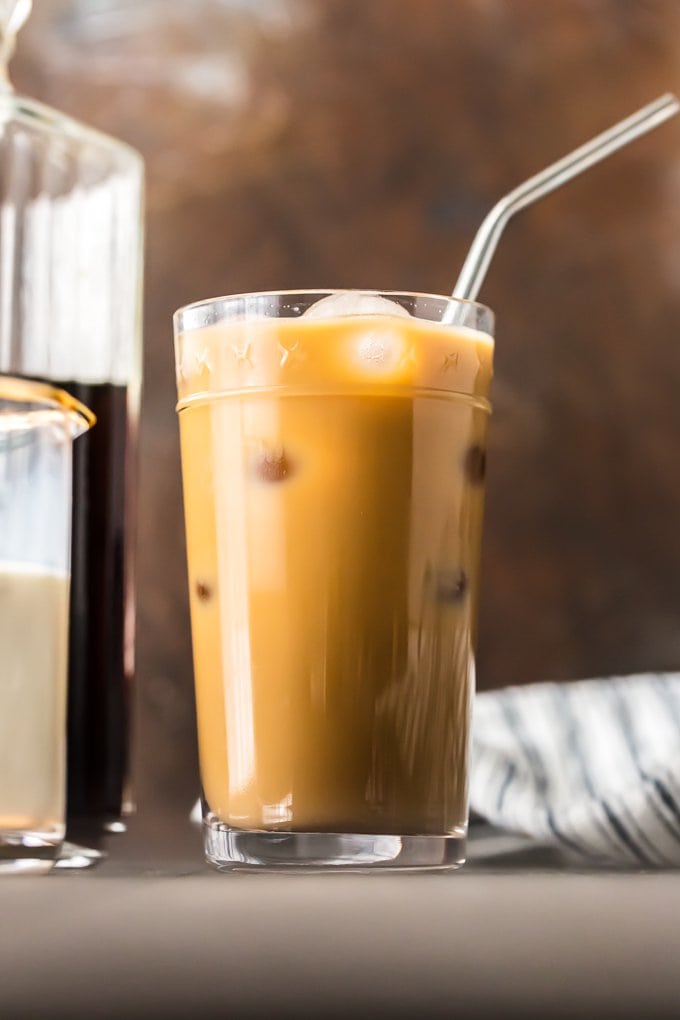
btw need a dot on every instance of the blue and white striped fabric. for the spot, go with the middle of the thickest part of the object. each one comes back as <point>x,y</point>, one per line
<point>591,766</point>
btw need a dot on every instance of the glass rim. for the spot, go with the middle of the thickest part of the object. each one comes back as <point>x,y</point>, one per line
<point>29,391</point>
<point>196,306</point>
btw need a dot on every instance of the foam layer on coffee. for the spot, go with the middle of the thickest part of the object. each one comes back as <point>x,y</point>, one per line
<point>333,353</point>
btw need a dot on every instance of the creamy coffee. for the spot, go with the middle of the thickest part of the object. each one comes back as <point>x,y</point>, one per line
<point>333,475</point>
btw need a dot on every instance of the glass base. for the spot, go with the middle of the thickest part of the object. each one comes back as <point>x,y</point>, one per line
<point>28,853</point>
<point>74,857</point>
<point>85,845</point>
<point>229,849</point>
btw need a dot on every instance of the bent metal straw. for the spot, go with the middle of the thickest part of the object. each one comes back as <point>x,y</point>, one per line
<point>598,148</point>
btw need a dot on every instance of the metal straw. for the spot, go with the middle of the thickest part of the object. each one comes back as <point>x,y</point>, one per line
<point>488,235</point>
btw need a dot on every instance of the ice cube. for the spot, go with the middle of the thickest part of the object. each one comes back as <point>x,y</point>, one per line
<point>349,302</point>
<point>371,348</point>
<point>379,351</point>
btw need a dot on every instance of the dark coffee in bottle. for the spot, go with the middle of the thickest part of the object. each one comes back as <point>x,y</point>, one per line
<point>101,645</point>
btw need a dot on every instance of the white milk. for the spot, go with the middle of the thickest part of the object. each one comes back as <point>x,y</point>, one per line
<point>33,660</point>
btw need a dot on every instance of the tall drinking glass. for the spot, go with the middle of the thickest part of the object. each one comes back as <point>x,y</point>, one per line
<point>37,427</point>
<point>333,454</point>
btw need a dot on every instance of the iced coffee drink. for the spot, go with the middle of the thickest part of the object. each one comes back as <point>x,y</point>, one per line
<point>333,455</point>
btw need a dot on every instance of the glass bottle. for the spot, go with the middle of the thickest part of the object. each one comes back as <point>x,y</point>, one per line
<point>71,206</point>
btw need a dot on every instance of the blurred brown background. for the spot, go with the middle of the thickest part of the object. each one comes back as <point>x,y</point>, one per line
<point>359,143</point>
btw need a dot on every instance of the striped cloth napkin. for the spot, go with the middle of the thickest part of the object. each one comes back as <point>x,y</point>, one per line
<point>592,767</point>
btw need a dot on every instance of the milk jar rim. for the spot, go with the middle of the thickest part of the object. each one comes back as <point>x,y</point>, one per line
<point>251,305</point>
<point>35,398</point>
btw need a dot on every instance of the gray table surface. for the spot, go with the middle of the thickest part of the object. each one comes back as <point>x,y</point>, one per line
<point>152,931</point>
